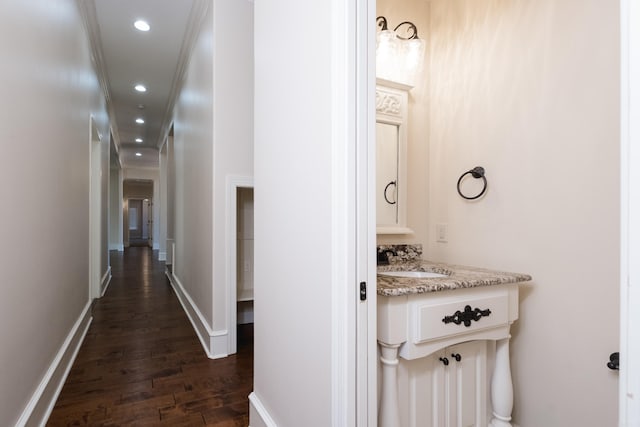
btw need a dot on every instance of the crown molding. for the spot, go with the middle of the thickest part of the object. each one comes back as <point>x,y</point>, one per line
<point>197,17</point>
<point>89,17</point>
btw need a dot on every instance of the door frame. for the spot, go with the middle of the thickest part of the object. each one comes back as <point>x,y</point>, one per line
<point>95,202</point>
<point>629,386</point>
<point>234,183</point>
<point>366,386</point>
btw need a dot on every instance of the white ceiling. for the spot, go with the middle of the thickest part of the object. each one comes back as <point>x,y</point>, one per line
<point>126,56</point>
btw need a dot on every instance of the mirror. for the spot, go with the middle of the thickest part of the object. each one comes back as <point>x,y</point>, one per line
<point>391,157</point>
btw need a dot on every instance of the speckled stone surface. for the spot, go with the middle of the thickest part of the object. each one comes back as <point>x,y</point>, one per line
<point>458,277</point>
<point>402,253</point>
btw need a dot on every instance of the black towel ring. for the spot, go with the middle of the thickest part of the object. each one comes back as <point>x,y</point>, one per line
<point>385,192</point>
<point>477,172</point>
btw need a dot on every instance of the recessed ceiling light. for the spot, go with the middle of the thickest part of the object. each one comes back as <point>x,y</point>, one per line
<point>140,106</point>
<point>140,88</point>
<point>139,120</point>
<point>138,139</point>
<point>142,25</point>
<point>138,154</point>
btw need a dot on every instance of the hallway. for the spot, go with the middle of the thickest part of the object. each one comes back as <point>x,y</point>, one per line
<point>141,362</point>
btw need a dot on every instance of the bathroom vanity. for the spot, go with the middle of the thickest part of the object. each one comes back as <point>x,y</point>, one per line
<point>436,337</point>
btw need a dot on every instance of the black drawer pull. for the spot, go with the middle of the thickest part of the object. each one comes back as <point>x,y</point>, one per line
<point>445,361</point>
<point>466,316</point>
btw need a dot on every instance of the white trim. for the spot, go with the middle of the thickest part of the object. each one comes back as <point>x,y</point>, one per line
<point>162,256</point>
<point>95,208</point>
<point>231,280</point>
<point>44,398</point>
<point>106,280</point>
<point>116,247</point>
<point>256,408</point>
<point>215,343</point>
<point>366,315</point>
<point>343,214</point>
<point>629,384</point>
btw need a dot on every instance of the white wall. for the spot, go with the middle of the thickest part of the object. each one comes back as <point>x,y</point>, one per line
<point>293,213</point>
<point>193,157</point>
<point>44,185</point>
<point>529,90</point>
<point>213,139</point>
<point>232,131</point>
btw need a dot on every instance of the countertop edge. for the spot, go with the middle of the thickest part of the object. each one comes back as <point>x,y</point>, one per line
<point>459,277</point>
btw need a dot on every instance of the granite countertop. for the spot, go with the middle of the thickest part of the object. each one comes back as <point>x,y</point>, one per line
<point>458,277</point>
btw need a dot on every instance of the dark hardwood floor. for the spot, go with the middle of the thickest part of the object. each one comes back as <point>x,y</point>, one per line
<point>142,364</point>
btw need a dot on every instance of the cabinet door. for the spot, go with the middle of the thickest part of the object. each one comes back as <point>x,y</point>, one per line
<point>427,395</point>
<point>467,388</point>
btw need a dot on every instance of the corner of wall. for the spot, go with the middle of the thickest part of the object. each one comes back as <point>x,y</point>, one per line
<point>258,415</point>
<point>214,343</point>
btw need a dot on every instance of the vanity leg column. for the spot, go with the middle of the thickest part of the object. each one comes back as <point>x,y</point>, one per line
<point>389,414</point>
<point>502,386</point>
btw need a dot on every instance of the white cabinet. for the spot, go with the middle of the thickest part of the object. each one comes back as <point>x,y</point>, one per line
<point>421,338</point>
<point>446,389</point>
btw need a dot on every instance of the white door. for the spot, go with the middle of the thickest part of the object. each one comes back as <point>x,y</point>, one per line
<point>95,197</point>
<point>629,389</point>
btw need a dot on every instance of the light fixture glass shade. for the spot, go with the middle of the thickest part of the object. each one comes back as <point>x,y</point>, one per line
<point>410,60</point>
<point>399,57</point>
<point>387,47</point>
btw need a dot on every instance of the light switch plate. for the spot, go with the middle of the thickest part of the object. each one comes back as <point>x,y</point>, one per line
<point>442,233</point>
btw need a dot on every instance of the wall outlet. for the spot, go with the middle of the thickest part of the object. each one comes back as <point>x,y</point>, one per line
<point>442,233</point>
<point>247,266</point>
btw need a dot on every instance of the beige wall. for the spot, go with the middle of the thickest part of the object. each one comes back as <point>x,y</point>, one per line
<point>232,131</point>
<point>115,205</point>
<point>529,90</point>
<point>213,140</point>
<point>44,185</point>
<point>293,213</point>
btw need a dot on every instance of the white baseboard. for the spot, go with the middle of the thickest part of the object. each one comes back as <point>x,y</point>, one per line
<point>162,256</point>
<point>42,401</point>
<point>215,343</point>
<point>106,280</point>
<point>258,415</point>
<point>116,247</point>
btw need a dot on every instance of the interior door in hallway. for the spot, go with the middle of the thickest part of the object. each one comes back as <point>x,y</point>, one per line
<point>135,220</point>
<point>244,267</point>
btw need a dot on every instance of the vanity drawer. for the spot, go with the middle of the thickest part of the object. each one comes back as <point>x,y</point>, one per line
<point>445,317</point>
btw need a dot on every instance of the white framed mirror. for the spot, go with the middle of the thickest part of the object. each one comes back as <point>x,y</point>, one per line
<point>391,157</point>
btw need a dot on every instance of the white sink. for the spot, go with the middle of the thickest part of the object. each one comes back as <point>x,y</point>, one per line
<point>413,274</point>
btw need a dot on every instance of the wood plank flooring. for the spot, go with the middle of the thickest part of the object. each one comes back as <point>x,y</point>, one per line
<point>141,363</point>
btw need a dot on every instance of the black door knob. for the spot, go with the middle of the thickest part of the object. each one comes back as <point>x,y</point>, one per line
<point>445,361</point>
<point>614,361</point>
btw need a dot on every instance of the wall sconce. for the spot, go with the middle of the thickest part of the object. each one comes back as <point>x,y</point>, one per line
<point>399,53</point>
